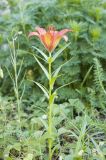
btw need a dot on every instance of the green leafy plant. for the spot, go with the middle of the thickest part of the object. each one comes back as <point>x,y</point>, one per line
<point>82,63</point>
<point>50,39</point>
<point>99,75</point>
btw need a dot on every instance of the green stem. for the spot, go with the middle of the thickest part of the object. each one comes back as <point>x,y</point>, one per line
<point>50,112</point>
<point>16,89</point>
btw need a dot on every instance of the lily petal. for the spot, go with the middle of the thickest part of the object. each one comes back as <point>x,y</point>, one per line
<point>41,31</point>
<point>64,31</point>
<point>33,34</point>
<point>51,37</point>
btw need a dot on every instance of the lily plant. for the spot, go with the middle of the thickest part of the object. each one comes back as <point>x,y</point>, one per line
<point>50,38</point>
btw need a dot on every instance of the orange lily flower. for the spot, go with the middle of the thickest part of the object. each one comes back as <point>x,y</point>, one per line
<point>51,37</point>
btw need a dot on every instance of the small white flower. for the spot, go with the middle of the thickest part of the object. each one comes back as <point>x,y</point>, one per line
<point>101,143</point>
<point>80,152</point>
<point>60,158</point>
<point>44,117</point>
<point>20,32</point>
<point>15,38</point>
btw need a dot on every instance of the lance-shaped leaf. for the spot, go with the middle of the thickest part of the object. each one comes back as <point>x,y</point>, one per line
<point>42,67</point>
<point>45,91</point>
<point>64,85</point>
<point>42,53</point>
<point>60,51</point>
<point>55,73</point>
<point>86,76</point>
<point>53,79</point>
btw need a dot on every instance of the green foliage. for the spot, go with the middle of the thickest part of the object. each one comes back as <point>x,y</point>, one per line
<point>98,75</point>
<point>80,107</point>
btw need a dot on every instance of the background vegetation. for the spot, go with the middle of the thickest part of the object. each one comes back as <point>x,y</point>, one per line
<point>80,108</point>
